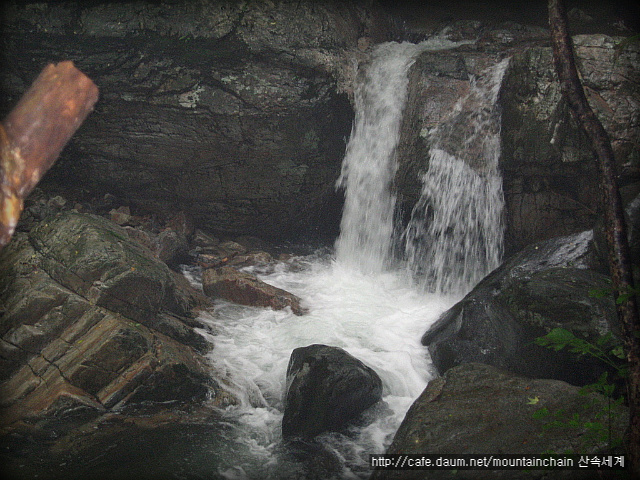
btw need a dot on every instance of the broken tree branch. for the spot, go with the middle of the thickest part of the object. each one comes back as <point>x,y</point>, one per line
<point>35,132</point>
<point>616,232</point>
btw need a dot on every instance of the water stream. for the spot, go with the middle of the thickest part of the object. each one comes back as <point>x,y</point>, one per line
<point>359,297</point>
<point>455,236</point>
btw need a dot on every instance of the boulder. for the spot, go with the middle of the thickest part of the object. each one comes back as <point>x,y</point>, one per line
<point>545,286</point>
<point>437,81</point>
<point>95,259</point>
<point>478,409</point>
<point>246,289</point>
<point>326,389</point>
<point>172,247</point>
<point>94,323</point>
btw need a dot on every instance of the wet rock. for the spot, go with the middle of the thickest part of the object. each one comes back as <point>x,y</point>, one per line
<point>230,248</point>
<point>437,81</point>
<point>121,215</point>
<point>550,176</point>
<point>148,446</point>
<point>632,219</point>
<point>203,240</point>
<point>476,408</point>
<point>93,322</point>
<point>246,289</point>
<point>545,286</point>
<point>251,259</point>
<point>143,237</point>
<point>94,258</point>
<point>244,253</point>
<point>550,180</point>
<point>172,247</point>
<point>326,389</point>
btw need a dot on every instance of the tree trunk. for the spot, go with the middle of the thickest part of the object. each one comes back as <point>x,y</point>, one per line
<point>34,133</point>
<point>616,233</point>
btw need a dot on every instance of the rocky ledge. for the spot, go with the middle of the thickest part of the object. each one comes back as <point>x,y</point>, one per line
<point>548,285</point>
<point>476,408</point>
<point>95,328</point>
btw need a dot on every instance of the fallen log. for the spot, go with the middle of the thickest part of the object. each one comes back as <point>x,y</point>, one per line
<point>35,132</point>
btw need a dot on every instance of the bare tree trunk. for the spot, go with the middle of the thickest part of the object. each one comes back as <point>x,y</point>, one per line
<point>616,233</point>
<point>34,133</point>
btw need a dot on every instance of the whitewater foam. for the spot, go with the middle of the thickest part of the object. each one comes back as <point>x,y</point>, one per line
<point>376,318</point>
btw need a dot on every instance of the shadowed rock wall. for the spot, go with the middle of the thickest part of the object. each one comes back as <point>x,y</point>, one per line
<point>236,112</point>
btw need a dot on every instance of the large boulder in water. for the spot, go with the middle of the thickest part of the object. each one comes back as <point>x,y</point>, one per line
<point>326,389</point>
<point>478,409</point>
<point>545,286</point>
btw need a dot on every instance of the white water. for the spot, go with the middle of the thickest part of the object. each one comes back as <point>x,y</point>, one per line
<point>366,230</point>
<point>455,236</point>
<point>374,317</point>
<point>357,300</point>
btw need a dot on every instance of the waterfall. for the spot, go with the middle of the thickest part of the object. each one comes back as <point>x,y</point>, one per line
<point>455,235</point>
<point>359,299</point>
<point>368,168</point>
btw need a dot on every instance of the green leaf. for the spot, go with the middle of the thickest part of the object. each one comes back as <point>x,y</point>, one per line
<point>618,352</point>
<point>541,413</point>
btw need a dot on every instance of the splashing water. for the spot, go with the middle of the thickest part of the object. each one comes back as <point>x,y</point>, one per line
<point>355,299</point>
<point>376,318</point>
<point>455,235</point>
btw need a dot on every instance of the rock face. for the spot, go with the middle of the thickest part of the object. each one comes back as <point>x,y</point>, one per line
<point>545,286</point>
<point>476,408</point>
<point>550,176</point>
<point>437,81</point>
<point>326,389</point>
<point>246,289</point>
<point>93,323</point>
<point>233,111</point>
<point>549,172</point>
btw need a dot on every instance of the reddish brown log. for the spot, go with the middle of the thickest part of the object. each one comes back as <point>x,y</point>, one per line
<point>615,228</point>
<point>35,132</point>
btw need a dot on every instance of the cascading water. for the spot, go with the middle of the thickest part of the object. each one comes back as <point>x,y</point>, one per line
<point>356,299</point>
<point>366,230</point>
<point>455,235</point>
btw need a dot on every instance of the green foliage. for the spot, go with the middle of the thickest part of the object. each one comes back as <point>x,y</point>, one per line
<point>623,44</point>
<point>602,349</point>
<point>620,299</point>
<point>599,430</point>
<point>594,430</point>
